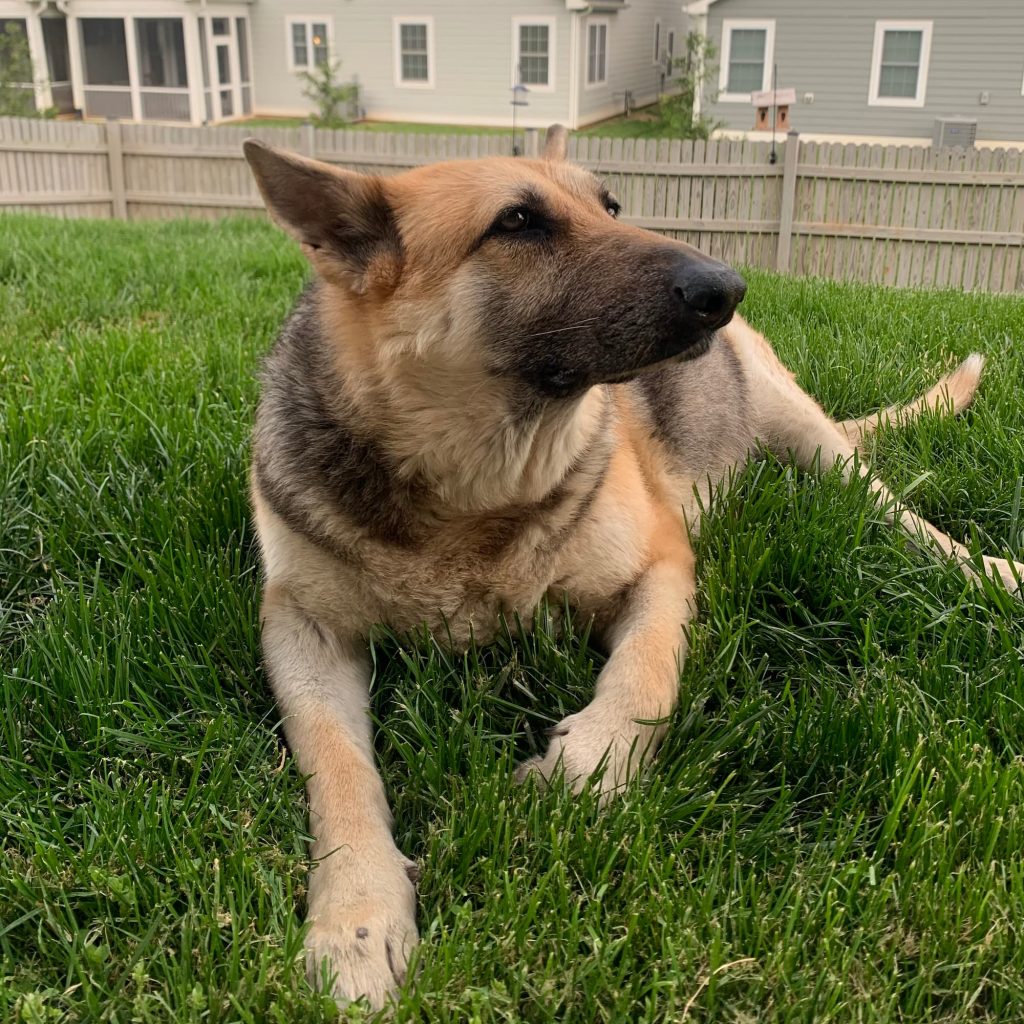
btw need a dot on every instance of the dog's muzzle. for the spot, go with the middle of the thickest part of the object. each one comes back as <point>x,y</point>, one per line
<point>706,293</point>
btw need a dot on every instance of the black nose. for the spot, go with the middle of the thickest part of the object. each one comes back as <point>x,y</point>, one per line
<point>709,291</point>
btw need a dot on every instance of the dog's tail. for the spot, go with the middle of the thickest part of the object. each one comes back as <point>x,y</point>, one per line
<point>952,394</point>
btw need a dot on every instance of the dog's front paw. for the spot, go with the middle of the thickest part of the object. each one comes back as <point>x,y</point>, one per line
<point>360,948</point>
<point>360,956</point>
<point>596,743</point>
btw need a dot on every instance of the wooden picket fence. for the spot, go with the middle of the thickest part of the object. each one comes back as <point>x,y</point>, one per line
<point>900,215</point>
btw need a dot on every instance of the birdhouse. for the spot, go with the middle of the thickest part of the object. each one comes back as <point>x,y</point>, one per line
<point>779,101</point>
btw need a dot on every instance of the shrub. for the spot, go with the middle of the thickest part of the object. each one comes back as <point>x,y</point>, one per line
<point>336,101</point>
<point>688,75</point>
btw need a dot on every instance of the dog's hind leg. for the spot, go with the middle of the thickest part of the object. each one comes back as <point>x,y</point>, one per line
<point>361,901</point>
<point>794,425</point>
<point>952,394</point>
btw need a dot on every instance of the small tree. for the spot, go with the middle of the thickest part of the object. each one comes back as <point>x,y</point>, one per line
<point>688,75</point>
<point>17,98</point>
<point>334,99</point>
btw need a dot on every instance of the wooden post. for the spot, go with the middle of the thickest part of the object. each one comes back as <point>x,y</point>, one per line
<point>309,139</point>
<point>531,143</point>
<point>115,161</point>
<point>789,172</point>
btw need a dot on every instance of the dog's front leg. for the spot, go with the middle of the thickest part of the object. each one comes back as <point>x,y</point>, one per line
<point>638,687</point>
<point>361,901</point>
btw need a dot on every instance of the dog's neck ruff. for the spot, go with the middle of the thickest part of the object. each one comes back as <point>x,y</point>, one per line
<point>475,459</point>
<point>398,464</point>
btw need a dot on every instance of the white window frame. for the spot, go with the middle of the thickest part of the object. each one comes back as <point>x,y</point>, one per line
<point>525,19</point>
<point>397,23</point>
<point>300,19</point>
<point>881,27</point>
<point>606,22</point>
<point>656,59</point>
<point>728,25</point>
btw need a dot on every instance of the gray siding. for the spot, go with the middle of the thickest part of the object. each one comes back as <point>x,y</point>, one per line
<point>472,48</point>
<point>825,47</point>
<point>631,62</point>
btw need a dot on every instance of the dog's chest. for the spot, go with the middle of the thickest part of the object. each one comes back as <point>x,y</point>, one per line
<point>460,595</point>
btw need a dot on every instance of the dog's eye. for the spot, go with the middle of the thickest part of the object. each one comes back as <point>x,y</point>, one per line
<point>514,220</point>
<point>613,207</point>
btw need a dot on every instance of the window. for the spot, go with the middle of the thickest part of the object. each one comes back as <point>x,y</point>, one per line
<point>533,53</point>
<point>597,51</point>
<point>309,42</point>
<point>657,43</point>
<point>671,47</point>
<point>414,53</point>
<point>899,63</point>
<point>105,51</point>
<point>748,49</point>
<point>161,43</point>
<point>243,48</point>
<point>55,38</point>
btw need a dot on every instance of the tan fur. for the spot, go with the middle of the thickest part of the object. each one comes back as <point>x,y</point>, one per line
<point>952,394</point>
<point>587,498</point>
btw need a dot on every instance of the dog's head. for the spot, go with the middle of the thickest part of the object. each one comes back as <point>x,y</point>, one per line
<point>518,266</point>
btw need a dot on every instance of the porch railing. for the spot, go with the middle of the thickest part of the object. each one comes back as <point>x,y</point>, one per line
<point>108,101</point>
<point>165,104</point>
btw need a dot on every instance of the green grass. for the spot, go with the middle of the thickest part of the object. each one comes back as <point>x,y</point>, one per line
<point>832,832</point>
<point>381,126</point>
<point>640,125</point>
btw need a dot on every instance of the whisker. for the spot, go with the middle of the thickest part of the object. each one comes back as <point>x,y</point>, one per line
<point>571,327</point>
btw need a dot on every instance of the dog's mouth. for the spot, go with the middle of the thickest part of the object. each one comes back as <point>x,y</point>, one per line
<point>695,347</point>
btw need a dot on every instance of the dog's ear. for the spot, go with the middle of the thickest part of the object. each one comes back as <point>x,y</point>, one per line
<point>556,143</point>
<point>341,219</point>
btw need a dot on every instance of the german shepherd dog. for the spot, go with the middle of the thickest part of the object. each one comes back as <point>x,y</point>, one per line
<point>495,392</point>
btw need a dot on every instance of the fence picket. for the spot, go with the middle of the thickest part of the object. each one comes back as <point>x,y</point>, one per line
<point>901,215</point>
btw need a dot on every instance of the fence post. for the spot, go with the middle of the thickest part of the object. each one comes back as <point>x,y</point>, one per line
<point>309,139</point>
<point>789,173</point>
<point>115,162</point>
<point>531,143</point>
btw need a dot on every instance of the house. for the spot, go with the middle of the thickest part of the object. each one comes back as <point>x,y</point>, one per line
<point>151,60</point>
<point>449,61</point>
<point>455,61</point>
<point>885,69</point>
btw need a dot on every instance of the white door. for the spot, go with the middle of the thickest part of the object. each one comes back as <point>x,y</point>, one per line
<point>228,45</point>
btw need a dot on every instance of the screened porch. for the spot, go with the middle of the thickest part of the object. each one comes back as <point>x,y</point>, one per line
<point>191,66</point>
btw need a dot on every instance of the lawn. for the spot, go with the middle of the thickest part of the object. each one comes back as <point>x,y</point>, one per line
<point>414,127</point>
<point>832,832</point>
<point>642,124</point>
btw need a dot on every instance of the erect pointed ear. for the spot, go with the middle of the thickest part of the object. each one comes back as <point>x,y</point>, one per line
<point>341,219</point>
<point>556,143</point>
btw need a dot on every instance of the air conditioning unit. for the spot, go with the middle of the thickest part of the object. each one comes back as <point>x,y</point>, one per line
<point>955,131</point>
